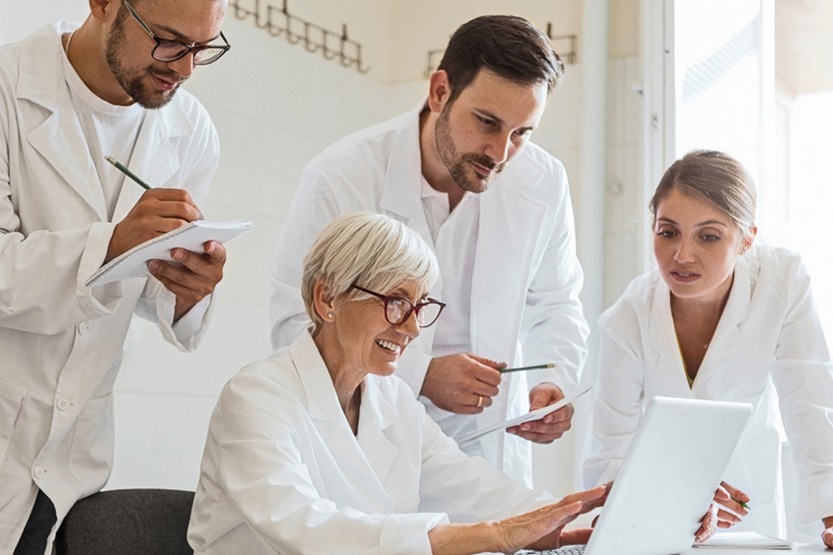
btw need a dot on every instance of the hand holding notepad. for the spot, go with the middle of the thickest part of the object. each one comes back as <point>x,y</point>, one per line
<point>191,237</point>
<point>536,414</point>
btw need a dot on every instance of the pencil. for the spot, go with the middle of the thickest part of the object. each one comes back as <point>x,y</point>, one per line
<point>522,368</point>
<point>126,172</point>
<point>741,503</point>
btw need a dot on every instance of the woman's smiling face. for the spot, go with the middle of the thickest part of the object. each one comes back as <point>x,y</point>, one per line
<point>368,341</point>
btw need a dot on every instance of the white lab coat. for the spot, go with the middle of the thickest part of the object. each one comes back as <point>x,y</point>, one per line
<point>526,282</point>
<point>768,339</point>
<point>283,473</point>
<point>61,342</point>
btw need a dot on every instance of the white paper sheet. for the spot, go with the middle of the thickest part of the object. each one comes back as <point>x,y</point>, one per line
<point>536,414</point>
<point>192,237</point>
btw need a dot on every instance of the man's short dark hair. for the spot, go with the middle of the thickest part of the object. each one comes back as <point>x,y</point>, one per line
<point>506,45</point>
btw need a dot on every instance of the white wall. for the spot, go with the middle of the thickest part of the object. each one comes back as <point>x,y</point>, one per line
<point>275,106</point>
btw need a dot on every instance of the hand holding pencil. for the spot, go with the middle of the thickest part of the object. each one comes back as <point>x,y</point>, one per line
<point>158,211</point>
<point>525,368</point>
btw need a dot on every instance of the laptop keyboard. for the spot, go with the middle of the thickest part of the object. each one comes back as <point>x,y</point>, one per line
<point>566,550</point>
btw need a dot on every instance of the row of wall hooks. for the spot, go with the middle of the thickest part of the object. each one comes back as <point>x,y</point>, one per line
<point>565,45</point>
<point>278,22</point>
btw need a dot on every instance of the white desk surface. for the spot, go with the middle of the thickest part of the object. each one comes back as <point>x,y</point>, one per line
<point>801,548</point>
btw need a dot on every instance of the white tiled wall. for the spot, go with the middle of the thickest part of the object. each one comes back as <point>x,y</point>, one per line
<point>275,106</point>
<point>626,210</point>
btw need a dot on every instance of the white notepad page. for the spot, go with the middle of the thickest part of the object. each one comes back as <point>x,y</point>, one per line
<point>536,414</point>
<point>191,237</point>
<point>744,540</point>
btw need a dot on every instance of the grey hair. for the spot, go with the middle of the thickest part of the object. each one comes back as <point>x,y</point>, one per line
<point>366,249</point>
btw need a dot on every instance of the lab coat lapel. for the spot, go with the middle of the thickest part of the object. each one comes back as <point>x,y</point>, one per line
<point>503,260</point>
<point>59,138</point>
<point>402,200</point>
<point>666,371</point>
<point>154,157</point>
<point>377,415</point>
<point>726,340</point>
<point>329,420</point>
<point>401,196</point>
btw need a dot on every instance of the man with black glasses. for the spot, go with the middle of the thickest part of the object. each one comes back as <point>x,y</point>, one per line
<point>69,97</point>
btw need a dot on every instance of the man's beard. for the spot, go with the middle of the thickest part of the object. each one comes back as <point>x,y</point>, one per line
<point>460,166</point>
<point>132,82</point>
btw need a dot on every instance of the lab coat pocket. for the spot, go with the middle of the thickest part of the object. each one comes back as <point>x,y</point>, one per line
<point>11,401</point>
<point>92,447</point>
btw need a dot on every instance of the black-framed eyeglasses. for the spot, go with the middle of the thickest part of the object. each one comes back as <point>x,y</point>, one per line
<point>398,310</point>
<point>172,50</point>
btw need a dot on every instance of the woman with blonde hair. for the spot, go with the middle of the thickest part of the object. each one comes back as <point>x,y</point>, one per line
<point>319,449</point>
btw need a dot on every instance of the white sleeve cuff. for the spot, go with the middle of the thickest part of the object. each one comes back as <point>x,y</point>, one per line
<point>191,322</point>
<point>413,526</point>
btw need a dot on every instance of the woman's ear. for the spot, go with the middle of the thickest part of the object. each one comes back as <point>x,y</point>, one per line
<point>748,239</point>
<point>323,301</point>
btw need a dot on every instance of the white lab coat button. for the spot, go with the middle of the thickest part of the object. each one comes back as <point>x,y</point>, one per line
<point>63,404</point>
<point>40,472</point>
<point>82,328</point>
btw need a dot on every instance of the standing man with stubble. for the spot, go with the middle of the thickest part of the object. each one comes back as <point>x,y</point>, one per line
<point>460,170</point>
<point>69,96</point>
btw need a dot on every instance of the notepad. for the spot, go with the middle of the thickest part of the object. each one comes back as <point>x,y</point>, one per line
<point>743,540</point>
<point>192,237</point>
<point>536,414</point>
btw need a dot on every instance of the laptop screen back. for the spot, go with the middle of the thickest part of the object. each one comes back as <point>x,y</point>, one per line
<point>668,477</point>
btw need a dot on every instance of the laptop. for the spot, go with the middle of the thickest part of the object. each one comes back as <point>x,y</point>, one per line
<point>669,475</point>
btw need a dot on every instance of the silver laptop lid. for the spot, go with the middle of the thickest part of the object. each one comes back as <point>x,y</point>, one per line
<point>668,477</point>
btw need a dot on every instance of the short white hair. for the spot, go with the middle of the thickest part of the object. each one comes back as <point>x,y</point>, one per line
<point>370,250</point>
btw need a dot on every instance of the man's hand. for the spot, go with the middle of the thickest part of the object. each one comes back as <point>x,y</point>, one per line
<point>462,383</point>
<point>195,279</point>
<point>553,425</point>
<point>157,212</point>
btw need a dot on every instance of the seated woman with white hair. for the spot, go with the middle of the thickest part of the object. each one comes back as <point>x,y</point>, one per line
<point>319,449</point>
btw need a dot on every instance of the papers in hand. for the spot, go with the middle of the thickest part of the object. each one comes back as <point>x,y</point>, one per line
<point>743,540</point>
<point>536,414</point>
<point>192,237</point>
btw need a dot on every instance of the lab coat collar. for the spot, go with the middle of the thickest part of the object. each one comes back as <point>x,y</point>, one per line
<point>663,336</point>
<point>377,414</point>
<point>321,399</point>
<point>723,346</point>
<point>668,367</point>
<point>403,177</point>
<point>59,138</point>
<point>508,219</point>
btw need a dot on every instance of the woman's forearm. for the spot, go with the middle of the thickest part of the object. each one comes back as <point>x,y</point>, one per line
<point>463,539</point>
